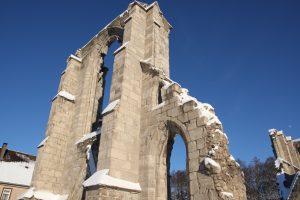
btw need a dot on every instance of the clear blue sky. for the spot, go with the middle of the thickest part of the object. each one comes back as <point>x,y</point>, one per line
<point>243,57</point>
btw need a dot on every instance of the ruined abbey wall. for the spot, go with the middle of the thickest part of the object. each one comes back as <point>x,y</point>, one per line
<point>133,135</point>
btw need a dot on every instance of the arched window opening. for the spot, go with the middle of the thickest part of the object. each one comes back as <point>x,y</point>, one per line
<point>103,87</point>
<point>159,95</point>
<point>108,64</point>
<point>177,178</point>
<point>105,82</point>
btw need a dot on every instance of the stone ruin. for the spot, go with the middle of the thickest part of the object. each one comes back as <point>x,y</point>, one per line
<point>287,154</point>
<point>123,151</point>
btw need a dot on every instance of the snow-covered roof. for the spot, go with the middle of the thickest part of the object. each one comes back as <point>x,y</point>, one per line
<point>44,195</point>
<point>19,173</point>
<point>102,178</point>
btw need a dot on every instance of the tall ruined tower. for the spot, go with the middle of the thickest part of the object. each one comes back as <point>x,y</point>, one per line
<point>287,163</point>
<point>123,151</point>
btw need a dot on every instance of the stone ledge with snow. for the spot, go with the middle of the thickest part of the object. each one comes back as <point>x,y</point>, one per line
<point>102,178</point>
<point>112,106</point>
<point>41,195</point>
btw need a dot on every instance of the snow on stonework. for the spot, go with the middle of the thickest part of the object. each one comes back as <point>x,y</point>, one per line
<point>205,109</point>
<point>222,133</point>
<point>233,159</point>
<point>159,106</point>
<point>277,163</point>
<point>75,58</point>
<point>228,195</point>
<point>41,195</point>
<point>65,95</point>
<point>296,140</point>
<point>88,136</point>
<point>272,131</point>
<point>121,47</point>
<point>43,142</point>
<point>111,106</point>
<point>212,165</point>
<point>102,178</point>
<point>19,173</point>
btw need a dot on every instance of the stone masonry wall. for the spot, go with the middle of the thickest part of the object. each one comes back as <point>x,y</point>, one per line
<point>285,151</point>
<point>149,110</point>
<point>104,193</point>
<point>204,138</point>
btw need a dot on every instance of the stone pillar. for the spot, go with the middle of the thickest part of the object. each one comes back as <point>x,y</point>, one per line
<point>86,104</point>
<point>120,130</point>
<point>285,151</point>
<point>49,169</point>
<point>157,39</point>
<point>145,39</point>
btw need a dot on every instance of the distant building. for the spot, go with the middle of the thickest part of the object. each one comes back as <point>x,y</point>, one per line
<point>287,153</point>
<point>16,169</point>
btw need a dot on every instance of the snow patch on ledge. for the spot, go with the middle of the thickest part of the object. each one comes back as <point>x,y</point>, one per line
<point>43,142</point>
<point>169,84</point>
<point>42,195</point>
<point>205,109</point>
<point>272,131</point>
<point>278,162</point>
<point>88,136</point>
<point>120,48</point>
<point>211,164</point>
<point>275,131</point>
<point>226,195</point>
<point>233,160</point>
<point>296,140</point>
<point>102,178</point>
<point>65,95</point>
<point>159,105</point>
<point>75,58</point>
<point>111,106</point>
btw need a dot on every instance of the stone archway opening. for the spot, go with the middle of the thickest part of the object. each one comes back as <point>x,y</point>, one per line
<point>108,67</point>
<point>104,87</point>
<point>104,82</point>
<point>177,165</point>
